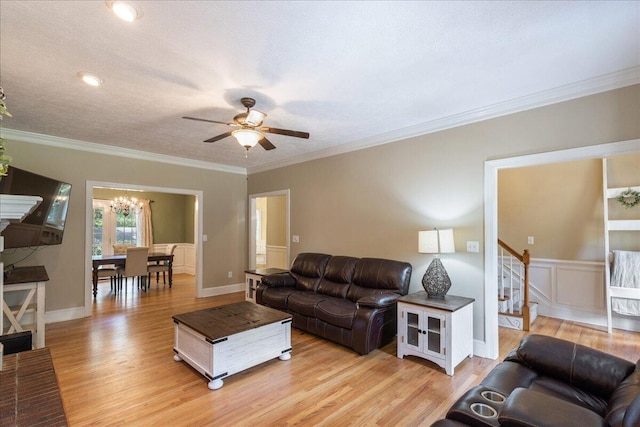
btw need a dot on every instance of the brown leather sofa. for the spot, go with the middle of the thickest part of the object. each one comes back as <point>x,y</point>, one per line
<point>351,301</point>
<point>548,382</point>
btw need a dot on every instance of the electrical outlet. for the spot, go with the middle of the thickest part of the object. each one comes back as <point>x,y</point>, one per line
<point>473,246</point>
<point>530,240</point>
<point>204,237</point>
<point>230,274</point>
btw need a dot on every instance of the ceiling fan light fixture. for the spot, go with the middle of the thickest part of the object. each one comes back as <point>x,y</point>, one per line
<point>127,11</point>
<point>255,118</point>
<point>247,137</point>
<point>90,79</point>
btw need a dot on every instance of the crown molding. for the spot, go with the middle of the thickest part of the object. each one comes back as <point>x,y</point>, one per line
<point>74,144</point>
<point>617,80</point>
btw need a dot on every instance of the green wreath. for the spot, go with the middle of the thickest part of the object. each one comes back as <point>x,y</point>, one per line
<point>629,198</point>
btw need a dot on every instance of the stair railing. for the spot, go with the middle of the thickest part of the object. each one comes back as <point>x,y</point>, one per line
<point>519,274</point>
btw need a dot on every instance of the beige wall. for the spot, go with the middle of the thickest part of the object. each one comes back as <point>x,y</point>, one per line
<point>374,201</point>
<point>277,221</point>
<point>171,214</point>
<point>224,208</point>
<point>560,205</point>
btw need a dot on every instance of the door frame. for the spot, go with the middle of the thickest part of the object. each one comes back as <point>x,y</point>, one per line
<point>253,220</point>
<point>197,230</point>
<point>491,168</point>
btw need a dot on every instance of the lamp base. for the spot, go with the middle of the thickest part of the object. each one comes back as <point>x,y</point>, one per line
<point>436,281</point>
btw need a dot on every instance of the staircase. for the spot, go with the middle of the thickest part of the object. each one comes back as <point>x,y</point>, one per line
<point>515,311</point>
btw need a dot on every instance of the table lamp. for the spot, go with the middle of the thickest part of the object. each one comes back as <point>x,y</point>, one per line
<point>436,281</point>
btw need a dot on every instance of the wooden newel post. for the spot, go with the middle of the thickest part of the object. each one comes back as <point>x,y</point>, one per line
<point>525,308</point>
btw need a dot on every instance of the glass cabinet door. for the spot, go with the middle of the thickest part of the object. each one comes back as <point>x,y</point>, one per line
<point>434,333</point>
<point>413,329</point>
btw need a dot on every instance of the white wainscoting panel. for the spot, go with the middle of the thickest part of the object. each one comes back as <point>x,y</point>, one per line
<point>574,290</point>
<point>184,257</point>
<point>277,257</point>
<point>580,286</point>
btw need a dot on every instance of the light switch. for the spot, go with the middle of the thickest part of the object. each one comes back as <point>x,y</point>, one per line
<point>473,246</point>
<point>295,238</point>
<point>530,240</point>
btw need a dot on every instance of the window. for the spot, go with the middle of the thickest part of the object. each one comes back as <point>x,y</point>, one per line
<point>110,228</point>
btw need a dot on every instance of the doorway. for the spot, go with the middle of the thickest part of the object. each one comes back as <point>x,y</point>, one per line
<point>491,169</point>
<point>269,230</point>
<point>89,235</point>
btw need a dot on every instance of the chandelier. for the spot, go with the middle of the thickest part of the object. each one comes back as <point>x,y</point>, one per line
<point>126,205</point>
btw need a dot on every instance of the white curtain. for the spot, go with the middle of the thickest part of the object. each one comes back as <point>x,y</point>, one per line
<point>143,224</point>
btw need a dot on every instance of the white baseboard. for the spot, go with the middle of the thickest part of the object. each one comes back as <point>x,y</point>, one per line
<point>63,315</point>
<point>222,290</point>
<point>480,348</point>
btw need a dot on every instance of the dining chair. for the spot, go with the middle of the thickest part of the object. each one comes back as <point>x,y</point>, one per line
<point>110,272</point>
<point>121,248</point>
<point>162,267</point>
<point>135,266</point>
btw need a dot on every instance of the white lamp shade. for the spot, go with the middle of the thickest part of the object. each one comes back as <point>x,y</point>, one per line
<point>247,137</point>
<point>255,118</point>
<point>436,242</point>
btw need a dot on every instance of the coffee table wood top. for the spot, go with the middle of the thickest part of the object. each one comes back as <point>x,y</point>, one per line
<point>219,322</point>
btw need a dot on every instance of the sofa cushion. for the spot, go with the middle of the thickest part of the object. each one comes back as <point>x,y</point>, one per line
<point>304,302</point>
<point>632,415</point>
<point>528,408</point>
<point>277,297</point>
<point>569,393</point>
<point>336,311</point>
<point>308,269</point>
<point>627,392</point>
<point>337,276</point>
<point>373,275</point>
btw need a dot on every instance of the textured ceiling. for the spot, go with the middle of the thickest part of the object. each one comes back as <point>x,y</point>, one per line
<point>350,73</point>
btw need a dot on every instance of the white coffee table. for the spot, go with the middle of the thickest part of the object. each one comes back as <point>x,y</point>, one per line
<point>221,341</point>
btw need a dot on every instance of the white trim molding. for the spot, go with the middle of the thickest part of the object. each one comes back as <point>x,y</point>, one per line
<point>616,80</point>
<point>111,150</point>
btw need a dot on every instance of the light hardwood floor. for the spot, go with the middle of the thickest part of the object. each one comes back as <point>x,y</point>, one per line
<point>116,368</point>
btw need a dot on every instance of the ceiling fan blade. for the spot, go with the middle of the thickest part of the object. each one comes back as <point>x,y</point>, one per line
<point>266,144</point>
<point>293,133</point>
<point>210,121</point>
<point>219,137</point>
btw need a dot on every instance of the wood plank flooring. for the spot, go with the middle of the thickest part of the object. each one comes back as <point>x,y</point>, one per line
<point>116,369</point>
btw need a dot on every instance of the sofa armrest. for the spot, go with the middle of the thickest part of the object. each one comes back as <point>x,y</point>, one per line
<point>378,301</point>
<point>280,280</point>
<point>528,408</point>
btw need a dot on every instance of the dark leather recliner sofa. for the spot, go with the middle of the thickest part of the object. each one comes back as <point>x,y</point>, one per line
<point>548,382</point>
<point>351,301</point>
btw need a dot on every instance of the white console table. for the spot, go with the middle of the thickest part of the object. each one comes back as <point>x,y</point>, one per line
<point>24,289</point>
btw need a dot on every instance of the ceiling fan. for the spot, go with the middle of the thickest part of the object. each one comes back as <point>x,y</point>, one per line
<point>250,129</point>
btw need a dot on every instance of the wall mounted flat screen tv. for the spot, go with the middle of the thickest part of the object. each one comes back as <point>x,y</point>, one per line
<point>45,225</point>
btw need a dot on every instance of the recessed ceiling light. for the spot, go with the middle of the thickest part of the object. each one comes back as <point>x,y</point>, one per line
<point>125,10</point>
<point>90,79</point>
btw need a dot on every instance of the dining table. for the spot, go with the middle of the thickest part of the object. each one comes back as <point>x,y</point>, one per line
<point>121,260</point>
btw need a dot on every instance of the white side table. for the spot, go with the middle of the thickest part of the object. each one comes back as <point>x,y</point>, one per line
<point>436,329</point>
<point>253,278</point>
